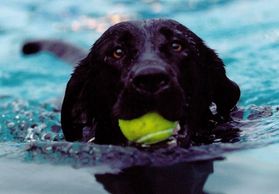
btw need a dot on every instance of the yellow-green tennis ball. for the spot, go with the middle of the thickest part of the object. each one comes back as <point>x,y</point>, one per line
<point>148,129</point>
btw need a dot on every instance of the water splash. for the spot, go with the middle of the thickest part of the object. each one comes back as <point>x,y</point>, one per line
<point>36,132</point>
<point>27,121</point>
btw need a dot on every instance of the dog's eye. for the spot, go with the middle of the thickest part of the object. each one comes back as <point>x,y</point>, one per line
<point>118,53</point>
<point>177,47</point>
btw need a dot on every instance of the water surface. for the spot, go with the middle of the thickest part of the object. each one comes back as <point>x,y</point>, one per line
<point>34,157</point>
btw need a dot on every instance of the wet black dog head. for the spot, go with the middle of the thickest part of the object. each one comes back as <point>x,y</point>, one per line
<point>142,66</point>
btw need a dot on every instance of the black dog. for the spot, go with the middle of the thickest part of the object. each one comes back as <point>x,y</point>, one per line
<point>141,66</point>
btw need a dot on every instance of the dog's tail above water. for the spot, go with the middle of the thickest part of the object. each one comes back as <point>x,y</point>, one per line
<point>65,51</point>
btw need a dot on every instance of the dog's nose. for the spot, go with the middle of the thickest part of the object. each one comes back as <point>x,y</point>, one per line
<point>150,79</point>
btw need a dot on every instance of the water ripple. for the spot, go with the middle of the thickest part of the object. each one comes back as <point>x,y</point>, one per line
<point>36,132</point>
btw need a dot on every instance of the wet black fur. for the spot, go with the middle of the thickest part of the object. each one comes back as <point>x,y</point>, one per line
<point>99,91</point>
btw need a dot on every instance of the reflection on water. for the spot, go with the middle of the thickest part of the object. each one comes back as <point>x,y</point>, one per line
<point>36,130</point>
<point>186,178</point>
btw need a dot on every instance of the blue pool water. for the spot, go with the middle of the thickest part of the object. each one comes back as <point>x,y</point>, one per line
<point>35,159</point>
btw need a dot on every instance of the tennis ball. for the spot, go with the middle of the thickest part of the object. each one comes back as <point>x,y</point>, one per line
<point>150,128</point>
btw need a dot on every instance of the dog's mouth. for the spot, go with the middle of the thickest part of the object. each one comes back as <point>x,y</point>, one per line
<point>150,91</point>
<point>168,102</point>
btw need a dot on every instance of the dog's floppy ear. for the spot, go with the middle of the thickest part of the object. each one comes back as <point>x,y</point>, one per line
<point>225,93</point>
<point>76,112</point>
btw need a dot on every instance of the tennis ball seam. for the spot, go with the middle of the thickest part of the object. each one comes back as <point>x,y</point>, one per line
<point>145,138</point>
<point>147,129</point>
